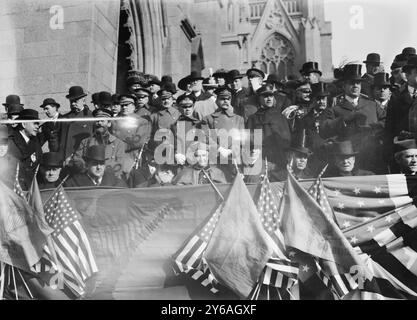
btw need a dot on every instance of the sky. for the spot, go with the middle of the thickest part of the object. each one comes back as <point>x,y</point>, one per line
<point>363,26</point>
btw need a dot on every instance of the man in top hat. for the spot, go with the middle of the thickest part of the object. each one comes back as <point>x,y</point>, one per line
<point>297,158</point>
<point>25,145</point>
<point>406,155</point>
<point>240,93</point>
<point>255,79</point>
<point>50,172</point>
<point>276,137</point>
<point>221,77</point>
<point>13,107</point>
<point>105,100</point>
<point>52,130</point>
<point>358,118</point>
<point>201,171</point>
<point>114,147</point>
<point>225,123</point>
<point>188,124</point>
<point>373,66</point>
<point>74,132</point>
<point>343,161</point>
<point>381,90</point>
<point>97,173</point>
<point>310,71</point>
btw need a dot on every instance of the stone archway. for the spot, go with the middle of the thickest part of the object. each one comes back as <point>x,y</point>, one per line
<point>277,56</point>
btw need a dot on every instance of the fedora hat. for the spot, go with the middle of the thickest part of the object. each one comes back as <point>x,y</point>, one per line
<point>401,144</point>
<point>52,159</point>
<point>319,89</point>
<point>49,102</point>
<point>373,58</point>
<point>381,79</point>
<point>95,153</point>
<point>75,92</point>
<point>234,74</point>
<point>309,67</point>
<point>411,63</point>
<point>182,84</point>
<point>254,72</point>
<point>343,148</point>
<point>28,114</point>
<point>352,72</point>
<point>298,143</point>
<point>12,100</point>
<point>408,51</point>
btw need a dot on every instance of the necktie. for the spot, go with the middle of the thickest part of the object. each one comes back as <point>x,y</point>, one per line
<point>202,178</point>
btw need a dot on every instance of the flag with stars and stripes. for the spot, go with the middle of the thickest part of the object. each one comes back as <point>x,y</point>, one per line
<point>70,242</point>
<point>279,274</point>
<point>189,259</point>
<point>16,185</point>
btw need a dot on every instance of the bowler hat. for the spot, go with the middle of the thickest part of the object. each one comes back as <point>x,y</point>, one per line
<point>28,114</point>
<point>264,90</point>
<point>319,89</point>
<point>102,113</point>
<point>310,67</point>
<point>223,92</point>
<point>75,92</point>
<point>273,78</point>
<point>254,72</point>
<point>49,102</point>
<point>52,159</point>
<point>373,58</point>
<point>408,51</point>
<point>352,72</point>
<point>381,79</point>
<point>104,98</point>
<point>343,148</point>
<point>4,134</point>
<point>411,63</point>
<point>234,74</point>
<point>96,153</point>
<point>298,143</point>
<point>12,100</point>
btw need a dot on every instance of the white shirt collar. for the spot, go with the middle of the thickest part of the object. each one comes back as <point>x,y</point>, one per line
<point>96,182</point>
<point>22,132</point>
<point>352,100</point>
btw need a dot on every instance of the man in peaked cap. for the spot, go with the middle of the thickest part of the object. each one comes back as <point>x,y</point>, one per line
<point>255,79</point>
<point>310,71</point>
<point>343,161</point>
<point>97,173</point>
<point>114,148</point>
<point>25,145</point>
<point>373,65</point>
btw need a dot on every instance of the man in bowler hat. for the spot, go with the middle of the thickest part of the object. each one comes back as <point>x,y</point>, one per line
<point>13,107</point>
<point>51,171</point>
<point>52,131</point>
<point>373,66</point>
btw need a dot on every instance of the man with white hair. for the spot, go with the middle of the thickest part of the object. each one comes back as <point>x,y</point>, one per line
<point>406,156</point>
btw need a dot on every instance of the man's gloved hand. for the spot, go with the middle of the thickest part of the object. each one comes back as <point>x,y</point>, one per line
<point>288,112</point>
<point>180,158</point>
<point>224,152</point>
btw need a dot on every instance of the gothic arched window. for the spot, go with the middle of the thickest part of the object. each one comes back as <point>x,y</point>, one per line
<point>277,56</point>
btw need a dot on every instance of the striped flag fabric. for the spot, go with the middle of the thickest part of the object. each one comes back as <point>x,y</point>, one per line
<point>189,259</point>
<point>70,242</point>
<point>17,188</point>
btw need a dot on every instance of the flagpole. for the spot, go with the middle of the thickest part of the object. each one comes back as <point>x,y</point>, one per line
<point>213,185</point>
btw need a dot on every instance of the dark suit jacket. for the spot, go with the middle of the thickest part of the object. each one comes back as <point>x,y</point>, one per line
<point>53,134</point>
<point>82,180</point>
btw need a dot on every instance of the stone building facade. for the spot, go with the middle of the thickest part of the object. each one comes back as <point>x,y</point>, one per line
<point>46,46</point>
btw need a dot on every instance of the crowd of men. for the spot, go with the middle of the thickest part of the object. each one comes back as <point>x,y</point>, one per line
<point>156,135</point>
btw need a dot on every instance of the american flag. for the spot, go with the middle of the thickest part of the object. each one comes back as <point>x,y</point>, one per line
<point>70,241</point>
<point>16,185</point>
<point>279,274</point>
<point>189,258</point>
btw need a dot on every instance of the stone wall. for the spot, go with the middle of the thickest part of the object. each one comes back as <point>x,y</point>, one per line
<point>38,61</point>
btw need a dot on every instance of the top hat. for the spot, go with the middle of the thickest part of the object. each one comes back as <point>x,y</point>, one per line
<point>352,72</point>
<point>186,96</point>
<point>96,153</point>
<point>411,63</point>
<point>298,143</point>
<point>254,72</point>
<point>75,92</point>
<point>52,159</point>
<point>4,134</point>
<point>381,79</point>
<point>102,113</point>
<point>310,67</point>
<point>223,92</point>
<point>373,58</point>
<point>220,73</point>
<point>104,98</point>
<point>319,89</point>
<point>12,100</point>
<point>343,148</point>
<point>195,75</point>
<point>408,51</point>
<point>49,102</point>
<point>28,114</point>
<point>234,74</point>
<point>264,90</point>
